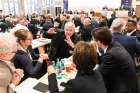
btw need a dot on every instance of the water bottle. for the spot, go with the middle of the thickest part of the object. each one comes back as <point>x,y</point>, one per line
<point>57,65</point>
<point>58,69</point>
<point>62,64</point>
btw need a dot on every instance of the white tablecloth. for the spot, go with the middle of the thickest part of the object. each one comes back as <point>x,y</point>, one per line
<point>27,86</point>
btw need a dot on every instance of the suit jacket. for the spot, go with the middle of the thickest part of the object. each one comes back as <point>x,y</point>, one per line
<point>23,61</point>
<point>86,32</point>
<point>118,70</point>
<point>60,49</point>
<point>130,43</point>
<point>90,82</point>
<point>137,34</point>
<point>5,78</point>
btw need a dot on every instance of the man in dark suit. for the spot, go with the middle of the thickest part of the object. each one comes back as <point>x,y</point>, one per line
<point>116,66</point>
<point>130,43</point>
<point>131,29</point>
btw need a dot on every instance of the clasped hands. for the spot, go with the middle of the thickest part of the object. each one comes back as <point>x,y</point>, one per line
<point>43,57</point>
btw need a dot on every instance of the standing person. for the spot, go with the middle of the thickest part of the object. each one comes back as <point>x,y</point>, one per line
<point>131,44</point>
<point>131,29</point>
<point>9,76</point>
<point>116,66</point>
<point>87,80</point>
<point>85,30</point>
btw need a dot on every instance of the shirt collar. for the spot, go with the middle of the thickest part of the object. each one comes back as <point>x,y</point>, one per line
<point>130,33</point>
<point>98,51</point>
<point>21,48</point>
<point>25,50</point>
<point>105,49</point>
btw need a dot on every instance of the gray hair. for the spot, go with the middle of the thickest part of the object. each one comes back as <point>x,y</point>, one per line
<point>87,20</point>
<point>69,24</point>
<point>7,42</point>
<point>118,24</point>
<point>18,27</point>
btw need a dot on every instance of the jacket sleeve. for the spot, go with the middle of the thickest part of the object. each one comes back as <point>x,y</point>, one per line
<point>137,45</point>
<point>5,78</point>
<point>53,88</point>
<point>28,66</point>
<point>107,65</point>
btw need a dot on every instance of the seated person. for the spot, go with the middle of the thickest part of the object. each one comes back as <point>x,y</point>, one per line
<point>85,30</point>
<point>63,42</point>
<point>87,80</point>
<point>25,56</point>
<point>9,76</point>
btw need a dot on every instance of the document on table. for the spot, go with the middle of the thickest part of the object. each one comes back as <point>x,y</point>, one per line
<point>28,85</point>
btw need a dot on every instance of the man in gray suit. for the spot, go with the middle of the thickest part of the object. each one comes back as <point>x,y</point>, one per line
<point>9,76</point>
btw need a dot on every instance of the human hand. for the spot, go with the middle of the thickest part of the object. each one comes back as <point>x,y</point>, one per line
<point>51,31</point>
<point>44,56</point>
<point>69,41</point>
<point>51,70</point>
<point>17,76</point>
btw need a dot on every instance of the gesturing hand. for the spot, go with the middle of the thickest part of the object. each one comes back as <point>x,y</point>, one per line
<point>51,31</point>
<point>69,41</point>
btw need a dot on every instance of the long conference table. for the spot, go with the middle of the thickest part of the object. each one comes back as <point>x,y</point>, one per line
<point>27,86</point>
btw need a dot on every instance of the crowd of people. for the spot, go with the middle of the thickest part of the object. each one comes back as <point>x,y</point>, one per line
<point>112,43</point>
